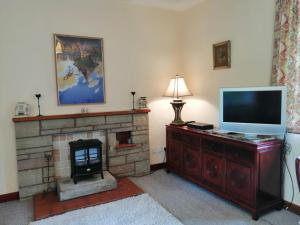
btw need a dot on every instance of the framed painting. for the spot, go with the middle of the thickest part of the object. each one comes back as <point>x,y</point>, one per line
<point>79,66</point>
<point>222,55</point>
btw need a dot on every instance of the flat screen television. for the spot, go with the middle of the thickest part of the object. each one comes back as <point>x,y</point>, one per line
<point>253,110</point>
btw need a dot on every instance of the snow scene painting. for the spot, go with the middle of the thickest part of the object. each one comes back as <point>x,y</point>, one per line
<point>79,70</point>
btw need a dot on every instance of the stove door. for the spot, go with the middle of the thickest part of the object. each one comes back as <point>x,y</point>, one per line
<point>81,157</point>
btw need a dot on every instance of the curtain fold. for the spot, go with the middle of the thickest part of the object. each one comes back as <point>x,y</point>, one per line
<point>286,57</point>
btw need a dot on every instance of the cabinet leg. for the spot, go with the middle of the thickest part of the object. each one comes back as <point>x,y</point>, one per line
<point>255,216</point>
<point>279,206</point>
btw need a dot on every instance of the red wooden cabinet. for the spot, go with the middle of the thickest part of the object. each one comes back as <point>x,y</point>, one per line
<point>244,172</point>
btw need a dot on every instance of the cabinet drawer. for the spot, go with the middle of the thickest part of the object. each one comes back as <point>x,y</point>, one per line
<point>212,146</point>
<point>240,154</point>
<point>186,138</point>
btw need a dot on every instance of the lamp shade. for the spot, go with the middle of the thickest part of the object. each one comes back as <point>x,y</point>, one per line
<point>177,88</point>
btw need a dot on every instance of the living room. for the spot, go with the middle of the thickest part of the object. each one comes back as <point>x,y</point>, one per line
<point>143,45</point>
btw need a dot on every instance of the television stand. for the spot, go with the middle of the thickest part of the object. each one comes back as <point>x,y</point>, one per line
<point>244,172</point>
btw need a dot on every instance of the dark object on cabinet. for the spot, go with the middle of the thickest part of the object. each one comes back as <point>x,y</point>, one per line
<point>200,126</point>
<point>246,173</point>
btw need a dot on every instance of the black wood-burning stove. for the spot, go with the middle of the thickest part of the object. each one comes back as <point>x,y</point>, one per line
<point>86,158</point>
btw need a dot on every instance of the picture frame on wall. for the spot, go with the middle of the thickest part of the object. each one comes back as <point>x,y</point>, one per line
<point>79,66</point>
<point>222,55</point>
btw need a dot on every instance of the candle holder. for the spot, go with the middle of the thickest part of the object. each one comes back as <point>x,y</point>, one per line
<point>133,93</point>
<point>38,96</point>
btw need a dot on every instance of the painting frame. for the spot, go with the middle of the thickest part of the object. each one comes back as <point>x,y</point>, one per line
<point>222,55</point>
<point>96,69</point>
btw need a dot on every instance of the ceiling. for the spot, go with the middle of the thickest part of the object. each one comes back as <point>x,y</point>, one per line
<point>178,5</point>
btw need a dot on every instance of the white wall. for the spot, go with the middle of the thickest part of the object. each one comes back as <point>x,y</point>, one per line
<point>143,48</point>
<point>249,26</point>
<point>140,51</point>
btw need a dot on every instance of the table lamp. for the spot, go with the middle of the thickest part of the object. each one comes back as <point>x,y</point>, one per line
<point>177,89</point>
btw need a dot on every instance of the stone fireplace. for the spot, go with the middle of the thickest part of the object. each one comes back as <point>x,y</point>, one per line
<point>37,136</point>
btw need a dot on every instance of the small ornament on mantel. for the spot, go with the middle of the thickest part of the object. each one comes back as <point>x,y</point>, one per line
<point>38,96</point>
<point>84,110</point>
<point>143,103</point>
<point>22,109</point>
<point>133,93</point>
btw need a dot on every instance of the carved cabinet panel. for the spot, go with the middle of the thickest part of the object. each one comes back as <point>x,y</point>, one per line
<point>213,169</point>
<point>238,181</point>
<point>191,162</point>
<point>174,155</point>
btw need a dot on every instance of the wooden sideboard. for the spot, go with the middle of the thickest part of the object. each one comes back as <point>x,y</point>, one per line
<point>246,173</point>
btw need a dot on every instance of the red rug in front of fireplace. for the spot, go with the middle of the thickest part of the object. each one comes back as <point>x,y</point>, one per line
<point>49,205</point>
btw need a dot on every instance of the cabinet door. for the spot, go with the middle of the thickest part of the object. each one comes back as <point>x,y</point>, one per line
<point>191,162</point>
<point>214,169</point>
<point>174,155</point>
<point>238,181</point>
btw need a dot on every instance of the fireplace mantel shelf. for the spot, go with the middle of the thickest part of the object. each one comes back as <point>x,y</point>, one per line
<point>79,115</point>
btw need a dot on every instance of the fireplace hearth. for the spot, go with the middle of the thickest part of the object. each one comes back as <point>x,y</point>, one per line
<point>86,158</point>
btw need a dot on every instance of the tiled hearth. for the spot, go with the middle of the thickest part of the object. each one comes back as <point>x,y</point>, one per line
<point>36,136</point>
<point>49,205</point>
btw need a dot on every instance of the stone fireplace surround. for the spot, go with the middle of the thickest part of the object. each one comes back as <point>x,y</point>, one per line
<point>35,135</point>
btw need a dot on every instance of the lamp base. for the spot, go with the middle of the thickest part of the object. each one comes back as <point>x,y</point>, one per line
<point>177,105</point>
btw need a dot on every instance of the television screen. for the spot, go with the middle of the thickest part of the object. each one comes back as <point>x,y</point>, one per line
<point>263,107</point>
<point>253,110</point>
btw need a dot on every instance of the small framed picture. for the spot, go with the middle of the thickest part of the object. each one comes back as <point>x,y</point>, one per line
<point>222,55</point>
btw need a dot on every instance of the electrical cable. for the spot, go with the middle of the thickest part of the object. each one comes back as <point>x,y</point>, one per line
<point>286,151</point>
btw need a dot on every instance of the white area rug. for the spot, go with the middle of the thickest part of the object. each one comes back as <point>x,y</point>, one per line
<point>138,210</point>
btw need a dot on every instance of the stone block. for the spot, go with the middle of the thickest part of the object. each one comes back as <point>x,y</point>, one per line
<point>22,157</point>
<point>29,191</point>
<point>68,190</point>
<point>116,161</point>
<point>119,119</point>
<point>27,129</point>
<point>140,119</point>
<point>124,151</point>
<point>37,155</point>
<point>34,142</point>
<point>116,170</point>
<point>48,132</point>
<point>30,177</point>
<point>142,167</point>
<point>139,132</point>
<point>51,171</point>
<point>90,121</point>
<point>140,139</point>
<point>123,129</point>
<point>107,126</point>
<point>140,156</point>
<point>34,150</point>
<point>141,127</point>
<point>28,164</point>
<point>57,124</point>
<point>112,141</point>
<point>126,124</point>
<point>77,129</point>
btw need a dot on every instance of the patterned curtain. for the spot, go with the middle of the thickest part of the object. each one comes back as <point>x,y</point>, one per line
<point>286,58</point>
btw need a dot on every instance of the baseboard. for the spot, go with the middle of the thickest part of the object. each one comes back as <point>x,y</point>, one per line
<point>157,166</point>
<point>292,207</point>
<point>9,197</point>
